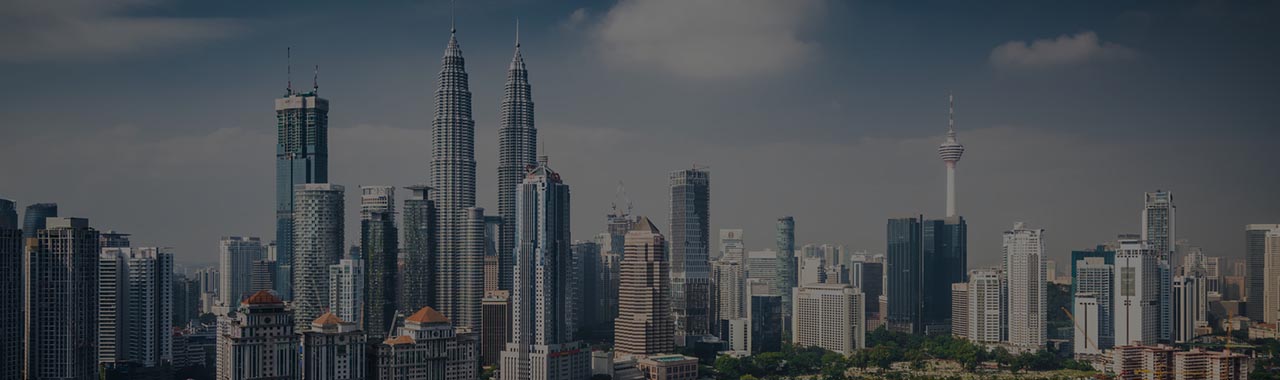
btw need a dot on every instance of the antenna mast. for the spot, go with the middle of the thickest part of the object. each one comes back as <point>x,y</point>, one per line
<point>315,80</point>
<point>288,58</point>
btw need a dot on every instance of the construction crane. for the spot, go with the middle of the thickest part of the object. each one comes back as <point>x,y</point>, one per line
<point>1081,329</point>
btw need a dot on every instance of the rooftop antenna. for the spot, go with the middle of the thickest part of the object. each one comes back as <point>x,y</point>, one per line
<point>951,113</point>
<point>288,54</point>
<point>453,5</point>
<point>517,32</point>
<point>315,79</point>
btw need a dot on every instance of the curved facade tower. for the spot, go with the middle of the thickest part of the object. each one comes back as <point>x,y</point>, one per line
<point>453,176</point>
<point>517,142</point>
<point>950,152</point>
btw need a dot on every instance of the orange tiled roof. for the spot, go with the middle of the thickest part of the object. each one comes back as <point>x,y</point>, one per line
<point>427,315</point>
<point>261,297</point>
<point>328,319</point>
<point>402,339</point>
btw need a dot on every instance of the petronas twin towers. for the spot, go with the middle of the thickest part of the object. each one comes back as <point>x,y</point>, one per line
<point>460,245</point>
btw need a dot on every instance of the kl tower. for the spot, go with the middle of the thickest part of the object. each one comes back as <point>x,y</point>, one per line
<point>950,152</point>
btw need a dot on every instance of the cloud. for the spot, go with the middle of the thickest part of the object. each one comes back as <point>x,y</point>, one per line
<point>576,19</point>
<point>34,31</point>
<point>1065,50</point>
<point>707,39</point>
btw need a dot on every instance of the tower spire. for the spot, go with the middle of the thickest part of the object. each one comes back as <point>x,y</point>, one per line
<point>453,26</point>
<point>517,32</point>
<point>315,79</point>
<point>951,115</point>
<point>288,59</point>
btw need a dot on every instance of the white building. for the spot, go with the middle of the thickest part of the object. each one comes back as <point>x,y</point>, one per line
<point>346,290</point>
<point>256,342</point>
<point>730,280</point>
<point>986,308</point>
<point>1136,294</point>
<point>763,265</point>
<point>1086,316</point>
<point>731,245</point>
<point>333,349</point>
<point>1190,307</point>
<point>377,199</point>
<point>1024,265</point>
<point>740,335</point>
<point>960,310</point>
<point>236,255</point>
<point>829,316</point>
<point>812,271</point>
<point>1095,277</point>
<point>317,244</point>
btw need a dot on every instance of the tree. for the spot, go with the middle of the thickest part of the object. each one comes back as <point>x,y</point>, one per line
<point>728,367</point>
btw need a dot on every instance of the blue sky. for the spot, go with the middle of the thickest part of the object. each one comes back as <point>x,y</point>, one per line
<point>153,117</point>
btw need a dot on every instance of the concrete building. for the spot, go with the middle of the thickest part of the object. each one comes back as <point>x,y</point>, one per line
<point>257,341</point>
<point>543,328</point>
<point>763,265</point>
<point>263,275</point>
<point>644,325</point>
<point>960,310</point>
<point>427,347</point>
<point>302,157</point>
<point>732,245</point>
<point>690,245</point>
<point>1136,294</point>
<point>317,243</point>
<point>668,367</point>
<point>1271,275</point>
<point>377,199</point>
<point>1191,302</point>
<point>347,291</point>
<point>1096,278</point>
<point>135,317</point>
<point>829,316</point>
<point>333,349</point>
<point>1159,231</point>
<point>987,307</point>
<point>421,259</point>
<point>61,301</point>
<point>378,243</point>
<point>1255,245</point>
<point>730,275</point>
<point>1087,319</point>
<point>1024,265</point>
<point>236,255</point>
<point>950,152</point>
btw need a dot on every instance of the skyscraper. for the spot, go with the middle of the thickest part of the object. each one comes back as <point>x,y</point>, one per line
<point>764,315</point>
<point>135,309</point>
<point>419,249</point>
<point>644,325</point>
<point>1255,245</point>
<point>987,307</point>
<point>1024,263</point>
<point>317,244</point>
<point>1271,272</point>
<point>731,245</point>
<point>829,316</point>
<point>730,276</point>
<point>236,256</point>
<point>33,220</point>
<point>543,344</point>
<point>787,269</point>
<point>584,289</point>
<point>950,152</point>
<point>347,291</point>
<point>943,261</point>
<point>1158,230</point>
<point>903,265</point>
<point>377,199</point>
<point>517,153</point>
<point>496,327</point>
<point>690,245</point>
<point>302,157</point>
<point>11,297</point>
<point>1190,306</point>
<point>62,301</point>
<point>1095,277</point>
<point>256,341</point>
<point>459,281</point>
<point>1136,294</point>
<point>379,241</point>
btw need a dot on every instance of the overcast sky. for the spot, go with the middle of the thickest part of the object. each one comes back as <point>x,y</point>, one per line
<point>155,117</point>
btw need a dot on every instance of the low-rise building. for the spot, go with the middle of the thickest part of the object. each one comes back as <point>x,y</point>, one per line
<point>669,367</point>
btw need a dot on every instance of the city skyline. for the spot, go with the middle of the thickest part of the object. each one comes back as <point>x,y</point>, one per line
<point>1002,134</point>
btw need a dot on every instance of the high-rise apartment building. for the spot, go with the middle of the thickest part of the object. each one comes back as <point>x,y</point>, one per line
<point>62,300</point>
<point>378,241</point>
<point>644,325</point>
<point>1158,230</point>
<point>1024,266</point>
<point>903,265</point>
<point>1095,277</point>
<point>347,291</point>
<point>333,349</point>
<point>11,292</point>
<point>829,316</point>
<point>236,256</point>
<point>960,310</point>
<point>317,244</point>
<point>1190,306</point>
<point>1255,245</point>
<point>987,308</point>
<point>256,341</point>
<point>377,199</point>
<point>1136,294</point>
<point>302,157</point>
<point>543,329</point>
<point>730,275</point>
<point>517,154</point>
<point>135,320</point>
<point>420,256</point>
<point>690,217</point>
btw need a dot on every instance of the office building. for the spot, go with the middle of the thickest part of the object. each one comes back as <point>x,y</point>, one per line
<point>302,157</point>
<point>262,275</point>
<point>1254,268</point>
<point>236,256</point>
<point>460,276</point>
<point>1271,274</point>
<point>644,325</point>
<point>829,316</point>
<point>427,347</point>
<point>378,241</point>
<point>903,265</point>
<point>1024,266</point>
<point>347,291</point>
<point>377,199</point>
<point>730,277</point>
<point>35,217</point>
<point>868,275</point>
<point>61,301</point>
<point>333,349</point>
<point>496,326</point>
<point>256,341</point>
<point>668,367</point>
<point>1136,294</point>
<point>544,327</point>
<point>1095,277</point>
<point>690,218</point>
<point>732,245</point>
<point>1158,230</point>
<point>1190,309</point>
<point>517,154</point>
<point>764,313</point>
<point>317,244</point>
<point>763,265</point>
<point>786,271</point>
<point>584,262</point>
<point>944,261</point>
<point>420,256</point>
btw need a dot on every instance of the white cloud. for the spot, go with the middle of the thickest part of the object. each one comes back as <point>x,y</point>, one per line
<point>41,31</point>
<point>576,19</point>
<point>707,39</point>
<point>1065,50</point>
